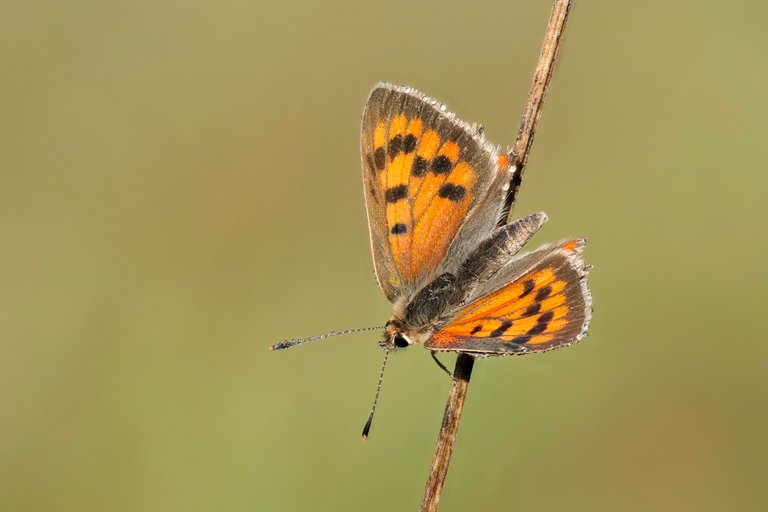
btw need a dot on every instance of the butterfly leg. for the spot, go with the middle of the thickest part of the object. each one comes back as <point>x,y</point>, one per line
<point>441,365</point>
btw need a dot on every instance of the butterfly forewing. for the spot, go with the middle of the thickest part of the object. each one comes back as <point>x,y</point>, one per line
<point>426,175</point>
<point>547,305</point>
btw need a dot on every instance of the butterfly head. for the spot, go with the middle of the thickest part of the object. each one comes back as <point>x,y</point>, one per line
<point>395,336</point>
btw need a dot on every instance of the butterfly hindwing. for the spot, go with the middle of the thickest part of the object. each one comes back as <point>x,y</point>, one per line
<point>432,186</point>
<point>540,301</point>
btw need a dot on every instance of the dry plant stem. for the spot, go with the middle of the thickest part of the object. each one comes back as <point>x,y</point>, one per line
<point>541,79</point>
<point>448,429</point>
<point>519,157</point>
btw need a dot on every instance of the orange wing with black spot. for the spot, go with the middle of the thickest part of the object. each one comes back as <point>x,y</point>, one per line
<point>543,304</point>
<point>433,187</point>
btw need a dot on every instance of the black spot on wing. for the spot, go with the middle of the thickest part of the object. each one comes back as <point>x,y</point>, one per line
<point>409,143</point>
<point>396,193</point>
<point>528,287</point>
<point>395,146</point>
<point>399,229</point>
<point>546,317</point>
<point>543,293</point>
<point>441,165</point>
<point>532,309</point>
<point>476,329</point>
<point>419,167</point>
<point>538,328</point>
<point>522,339</point>
<point>379,158</point>
<point>452,192</point>
<point>505,324</point>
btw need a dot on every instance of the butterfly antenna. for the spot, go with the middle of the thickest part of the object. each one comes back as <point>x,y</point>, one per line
<point>292,343</point>
<point>367,427</point>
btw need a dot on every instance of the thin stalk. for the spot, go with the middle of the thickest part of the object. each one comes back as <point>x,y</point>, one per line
<point>518,157</point>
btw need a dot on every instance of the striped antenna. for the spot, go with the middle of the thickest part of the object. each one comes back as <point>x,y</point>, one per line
<point>367,427</point>
<point>292,343</point>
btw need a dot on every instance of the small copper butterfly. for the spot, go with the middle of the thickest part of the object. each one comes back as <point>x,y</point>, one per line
<point>436,192</point>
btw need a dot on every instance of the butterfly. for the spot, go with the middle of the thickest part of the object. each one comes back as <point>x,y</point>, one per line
<point>437,194</point>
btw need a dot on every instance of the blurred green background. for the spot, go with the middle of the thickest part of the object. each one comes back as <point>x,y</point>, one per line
<point>180,188</point>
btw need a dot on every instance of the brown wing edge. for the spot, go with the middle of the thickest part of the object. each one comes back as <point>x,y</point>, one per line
<point>474,129</point>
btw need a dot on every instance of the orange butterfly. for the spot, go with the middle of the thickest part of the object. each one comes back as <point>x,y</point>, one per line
<point>436,192</point>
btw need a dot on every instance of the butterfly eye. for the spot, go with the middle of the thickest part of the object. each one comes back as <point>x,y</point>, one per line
<point>401,341</point>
